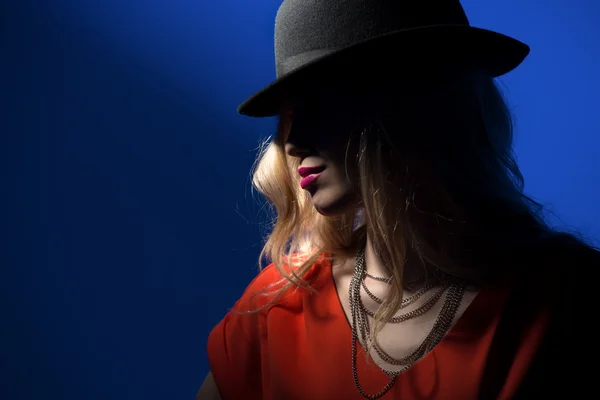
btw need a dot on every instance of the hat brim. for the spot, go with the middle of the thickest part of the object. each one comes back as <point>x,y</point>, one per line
<point>417,50</point>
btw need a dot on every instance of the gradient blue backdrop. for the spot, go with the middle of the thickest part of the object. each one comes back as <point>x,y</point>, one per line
<point>128,226</point>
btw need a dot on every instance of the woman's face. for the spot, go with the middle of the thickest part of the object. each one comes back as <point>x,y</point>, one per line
<point>324,137</point>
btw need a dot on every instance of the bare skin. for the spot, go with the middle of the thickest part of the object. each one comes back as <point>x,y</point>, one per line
<point>397,340</point>
<point>321,135</point>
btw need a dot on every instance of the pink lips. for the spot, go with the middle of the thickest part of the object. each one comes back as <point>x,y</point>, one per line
<point>309,175</point>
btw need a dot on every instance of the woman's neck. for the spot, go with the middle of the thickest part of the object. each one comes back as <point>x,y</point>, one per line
<point>374,266</point>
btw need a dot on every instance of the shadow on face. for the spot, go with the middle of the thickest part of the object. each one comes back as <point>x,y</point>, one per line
<point>324,128</point>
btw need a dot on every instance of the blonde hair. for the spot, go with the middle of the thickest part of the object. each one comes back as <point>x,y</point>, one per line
<point>439,187</point>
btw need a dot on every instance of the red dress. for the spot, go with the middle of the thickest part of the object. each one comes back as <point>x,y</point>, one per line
<point>300,348</point>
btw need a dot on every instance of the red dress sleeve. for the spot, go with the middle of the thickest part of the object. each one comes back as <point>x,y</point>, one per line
<point>234,344</point>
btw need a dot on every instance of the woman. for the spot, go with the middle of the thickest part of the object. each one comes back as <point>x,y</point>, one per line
<point>406,263</point>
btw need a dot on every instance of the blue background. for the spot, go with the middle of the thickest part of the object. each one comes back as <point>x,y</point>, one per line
<point>128,222</point>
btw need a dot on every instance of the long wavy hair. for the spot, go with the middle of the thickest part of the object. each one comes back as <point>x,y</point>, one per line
<point>439,187</point>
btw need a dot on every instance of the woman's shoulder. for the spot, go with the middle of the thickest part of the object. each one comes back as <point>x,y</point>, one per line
<point>558,255</point>
<point>565,284</point>
<point>267,287</point>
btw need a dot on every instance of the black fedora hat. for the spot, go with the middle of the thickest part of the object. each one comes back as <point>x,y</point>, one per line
<point>350,41</point>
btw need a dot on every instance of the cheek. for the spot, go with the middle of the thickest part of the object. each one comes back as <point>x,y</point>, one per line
<point>339,140</point>
<point>345,170</point>
<point>344,154</point>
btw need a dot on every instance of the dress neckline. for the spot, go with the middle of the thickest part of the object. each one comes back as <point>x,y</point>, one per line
<point>478,313</point>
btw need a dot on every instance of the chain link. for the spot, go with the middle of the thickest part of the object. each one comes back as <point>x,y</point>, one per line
<point>360,324</point>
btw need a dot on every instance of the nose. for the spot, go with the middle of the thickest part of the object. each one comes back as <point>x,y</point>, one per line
<point>298,143</point>
<point>293,150</point>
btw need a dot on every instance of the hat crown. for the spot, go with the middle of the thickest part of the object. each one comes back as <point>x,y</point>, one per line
<point>304,26</point>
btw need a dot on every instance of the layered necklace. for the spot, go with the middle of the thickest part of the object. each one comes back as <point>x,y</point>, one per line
<point>453,291</point>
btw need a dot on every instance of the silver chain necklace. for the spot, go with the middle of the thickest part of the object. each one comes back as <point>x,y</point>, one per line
<point>361,326</point>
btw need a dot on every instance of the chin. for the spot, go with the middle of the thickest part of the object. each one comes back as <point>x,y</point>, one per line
<point>327,211</point>
<point>332,205</point>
